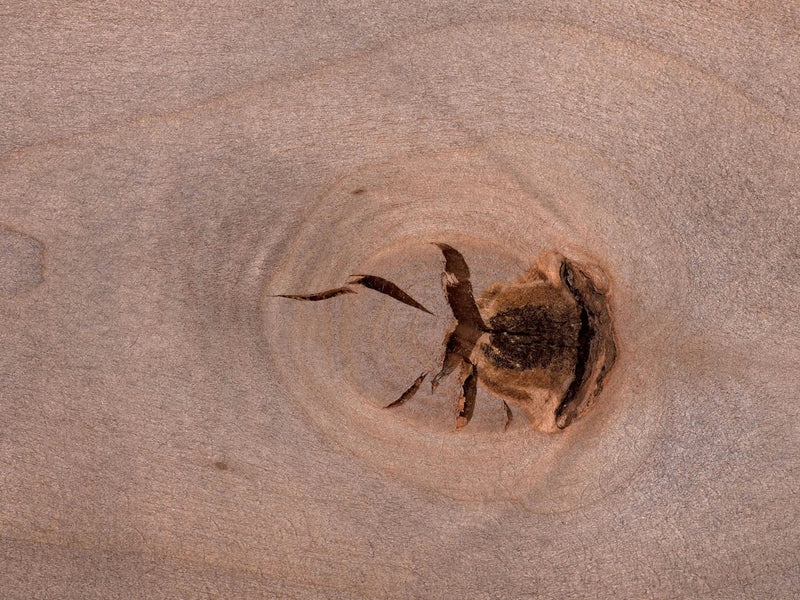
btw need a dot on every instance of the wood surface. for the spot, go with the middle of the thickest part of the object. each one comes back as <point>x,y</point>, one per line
<point>168,429</point>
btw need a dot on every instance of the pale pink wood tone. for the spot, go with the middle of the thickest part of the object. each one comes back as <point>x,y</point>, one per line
<point>169,431</point>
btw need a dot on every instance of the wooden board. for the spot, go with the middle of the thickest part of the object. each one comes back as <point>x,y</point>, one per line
<point>171,430</point>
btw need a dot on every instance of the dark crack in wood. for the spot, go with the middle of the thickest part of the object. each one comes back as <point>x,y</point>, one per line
<point>384,286</point>
<point>567,409</point>
<point>509,415</point>
<point>318,296</point>
<point>564,415</point>
<point>409,393</point>
<point>457,349</point>
<point>466,404</point>
<point>458,288</point>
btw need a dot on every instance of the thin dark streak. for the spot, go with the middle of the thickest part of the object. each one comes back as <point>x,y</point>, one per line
<point>409,393</point>
<point>467,401</point>
<point>509,415</point>
<point>595,325</point>
<point>318,296</point>
<point>568,278</point>
<point>585,336</point>
<point>384,286</point>
<point>609,358</point>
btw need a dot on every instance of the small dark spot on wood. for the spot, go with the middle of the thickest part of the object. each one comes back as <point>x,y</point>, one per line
<point>358,191</point>
<point>221,465</point>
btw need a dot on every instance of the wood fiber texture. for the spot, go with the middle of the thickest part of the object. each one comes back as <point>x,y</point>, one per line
<point>170,429</point>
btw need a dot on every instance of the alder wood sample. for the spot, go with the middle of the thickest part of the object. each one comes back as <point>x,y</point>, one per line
<point>170,429</point>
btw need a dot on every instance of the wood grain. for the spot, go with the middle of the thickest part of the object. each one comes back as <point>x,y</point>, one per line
<point>169,429</point>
